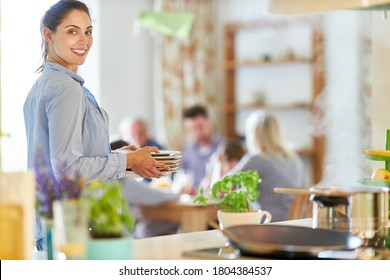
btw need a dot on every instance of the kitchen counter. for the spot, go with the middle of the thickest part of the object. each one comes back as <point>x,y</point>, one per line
<point>189,245</point>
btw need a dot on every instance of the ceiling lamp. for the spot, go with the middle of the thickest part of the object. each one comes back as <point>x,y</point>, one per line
<point>319,6</point>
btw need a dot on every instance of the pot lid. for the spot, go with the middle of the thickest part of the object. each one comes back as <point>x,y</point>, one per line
<point>334,191</point>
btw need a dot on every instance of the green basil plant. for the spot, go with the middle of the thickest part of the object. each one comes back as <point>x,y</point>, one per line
<point>233,193</point>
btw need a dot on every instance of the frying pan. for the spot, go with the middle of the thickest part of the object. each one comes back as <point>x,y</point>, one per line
<point>289,242</point>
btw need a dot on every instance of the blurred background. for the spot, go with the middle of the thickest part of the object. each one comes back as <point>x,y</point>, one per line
<point>323,74</point>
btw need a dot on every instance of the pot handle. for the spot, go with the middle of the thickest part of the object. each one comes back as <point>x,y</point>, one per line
<point>338,255</point>
<point>268,217</point>
<point>308,191</point>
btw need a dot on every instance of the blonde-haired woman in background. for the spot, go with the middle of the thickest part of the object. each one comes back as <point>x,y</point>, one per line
<point>277,166</point>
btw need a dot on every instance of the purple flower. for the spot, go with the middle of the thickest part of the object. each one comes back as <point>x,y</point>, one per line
<point>49,188</point>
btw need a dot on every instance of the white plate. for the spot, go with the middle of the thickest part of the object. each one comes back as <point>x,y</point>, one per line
<point>170,162</point>
<point>166,153</point>
<point>133,175</point>
<point>161,154</point>
<point>167,158</point>
<point>172,169</point>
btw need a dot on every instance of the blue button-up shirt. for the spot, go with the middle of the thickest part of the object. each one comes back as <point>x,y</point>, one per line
<point>65,123</point>
<point>195,159</point>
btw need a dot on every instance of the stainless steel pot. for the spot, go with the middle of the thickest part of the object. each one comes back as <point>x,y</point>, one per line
<point>360,210</point>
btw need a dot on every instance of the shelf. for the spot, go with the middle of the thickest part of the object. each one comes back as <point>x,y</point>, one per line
<point>233,64</point>
<point>369,182</point>
<point>236,108</point>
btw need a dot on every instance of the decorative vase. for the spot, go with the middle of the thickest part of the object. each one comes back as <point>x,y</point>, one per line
<point>71,228</point>
<point>109,248</point>
<point>229,219</point>
<point>48,239</point>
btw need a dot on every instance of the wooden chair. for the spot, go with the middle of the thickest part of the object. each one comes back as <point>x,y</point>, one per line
<point>301,207</point>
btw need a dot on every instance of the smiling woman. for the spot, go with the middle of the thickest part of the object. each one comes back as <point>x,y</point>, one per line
<point>62,117</point>
<point>20,45</point>
<point>69,42</point>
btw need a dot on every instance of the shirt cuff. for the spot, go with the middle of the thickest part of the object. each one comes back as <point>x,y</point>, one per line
<point>121,171</point>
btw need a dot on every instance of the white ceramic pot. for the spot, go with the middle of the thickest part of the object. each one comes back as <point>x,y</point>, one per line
<point>228,219</point>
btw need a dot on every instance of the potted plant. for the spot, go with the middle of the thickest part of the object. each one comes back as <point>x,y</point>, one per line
<point>110,222</point>
<point>52,192</point>
<point>235,195</point>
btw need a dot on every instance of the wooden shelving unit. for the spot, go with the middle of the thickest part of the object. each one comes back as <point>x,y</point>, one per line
<point>230,65</point>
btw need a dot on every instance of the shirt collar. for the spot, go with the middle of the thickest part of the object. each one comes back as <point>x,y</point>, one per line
<point>58,67</point>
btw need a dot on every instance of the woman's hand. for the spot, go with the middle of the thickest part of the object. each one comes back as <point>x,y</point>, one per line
<point>141,162</point>
<point>130,148</point>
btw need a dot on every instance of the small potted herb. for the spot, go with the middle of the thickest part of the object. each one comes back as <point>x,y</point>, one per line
<point>235,195</point>
<point>109,214</point>
<point>110,221</point>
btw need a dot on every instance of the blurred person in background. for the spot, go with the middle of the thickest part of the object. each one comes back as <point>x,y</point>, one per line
<point>203,144</point>
<point>225,159</point>
<point>143,193</point>
<point>134,131</point>
<point>276,165</point>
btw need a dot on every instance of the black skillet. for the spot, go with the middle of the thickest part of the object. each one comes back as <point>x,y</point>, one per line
<point>289,242</point>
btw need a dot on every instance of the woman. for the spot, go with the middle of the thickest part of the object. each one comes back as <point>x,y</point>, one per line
<point>277,166</point>
<point>62,118</point>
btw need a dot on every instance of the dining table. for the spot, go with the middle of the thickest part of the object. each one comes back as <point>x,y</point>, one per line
<point>191,217</point>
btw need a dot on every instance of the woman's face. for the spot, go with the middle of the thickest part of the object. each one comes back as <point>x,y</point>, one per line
<point>70,42</point>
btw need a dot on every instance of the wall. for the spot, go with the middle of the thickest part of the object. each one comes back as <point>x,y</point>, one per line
<point>381,83</point>
<point>341,100</point>
<point>342,96</point>
<point>126,80</point>
<point>126,72</point>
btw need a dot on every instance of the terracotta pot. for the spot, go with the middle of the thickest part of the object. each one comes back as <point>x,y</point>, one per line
<point>229,219</point>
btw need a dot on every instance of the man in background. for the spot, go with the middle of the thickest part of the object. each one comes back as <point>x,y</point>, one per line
<point>134,131</point>
<point>204,143</point>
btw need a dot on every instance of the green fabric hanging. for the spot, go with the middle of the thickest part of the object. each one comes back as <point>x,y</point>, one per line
<point>174,24</point>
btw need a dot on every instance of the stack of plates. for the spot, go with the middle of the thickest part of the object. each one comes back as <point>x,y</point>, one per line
<point>170,158</point>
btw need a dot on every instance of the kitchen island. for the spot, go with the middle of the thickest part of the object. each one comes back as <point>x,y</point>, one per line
<point>190,245</point>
